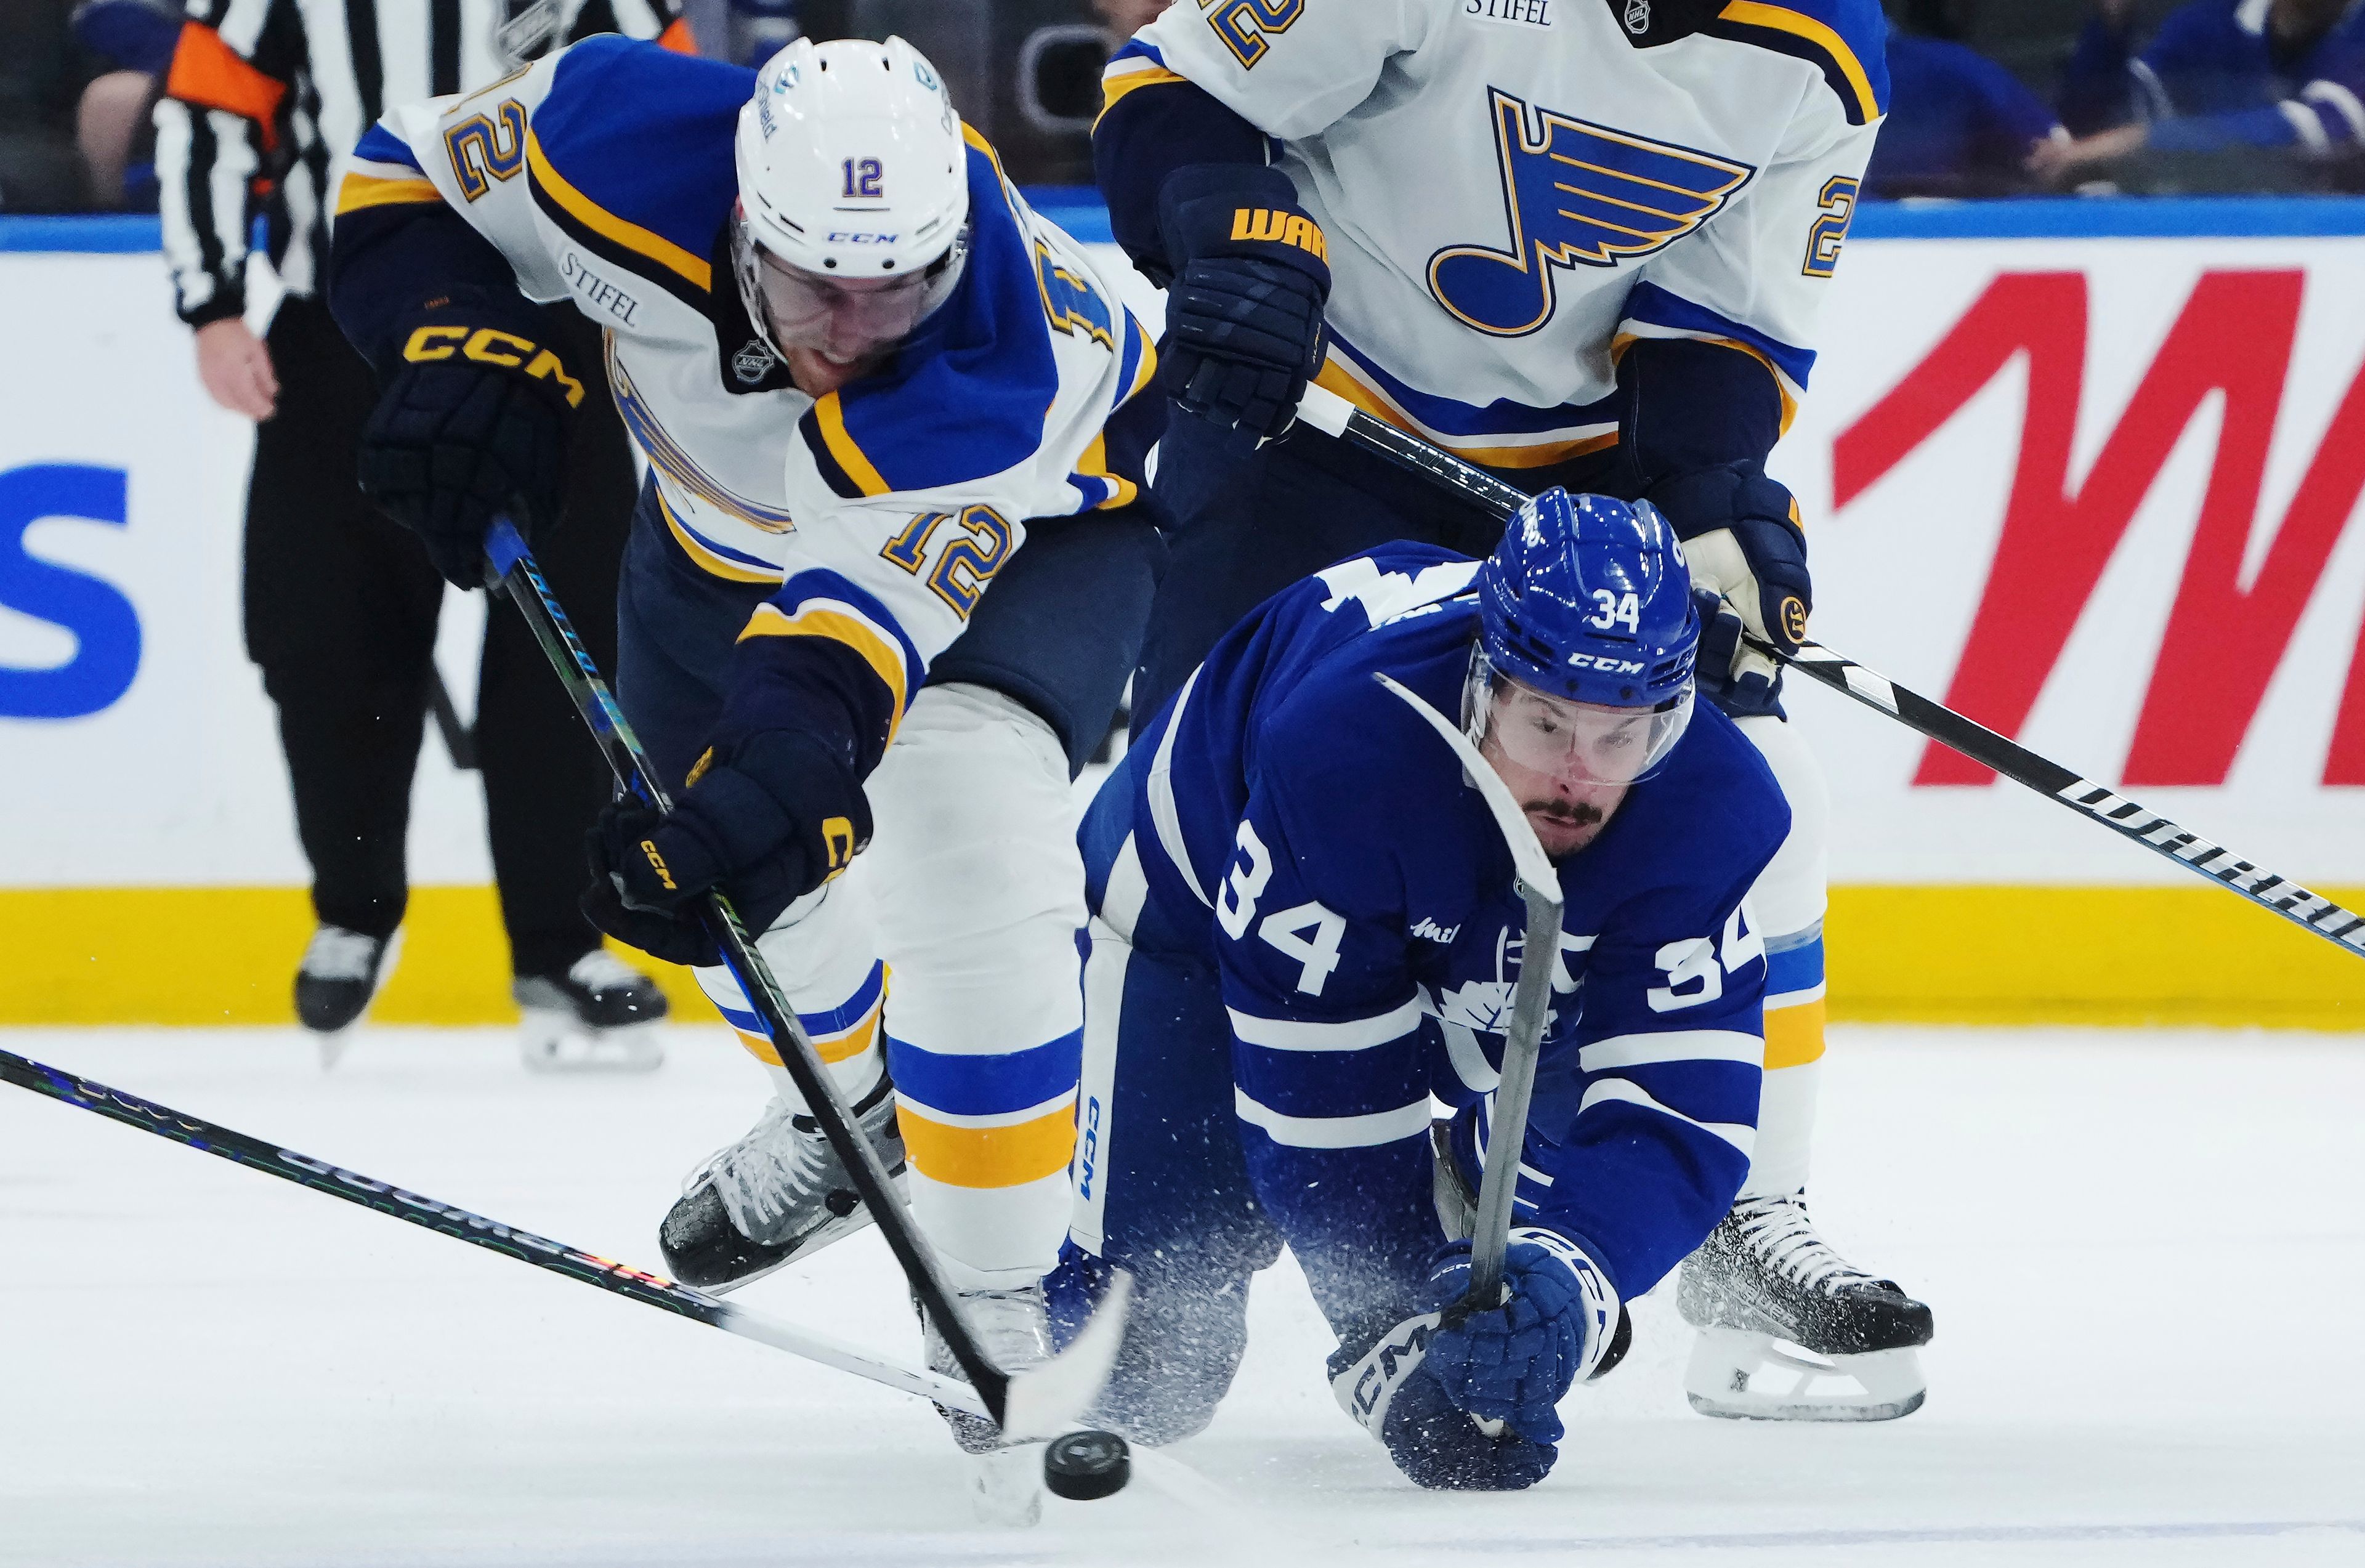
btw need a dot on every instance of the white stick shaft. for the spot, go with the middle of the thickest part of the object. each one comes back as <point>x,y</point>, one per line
<point>845,1357</point>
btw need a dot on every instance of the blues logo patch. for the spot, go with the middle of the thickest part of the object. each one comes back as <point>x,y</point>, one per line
<point>1576,195</point>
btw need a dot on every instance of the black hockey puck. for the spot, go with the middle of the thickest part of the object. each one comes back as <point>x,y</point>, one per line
<point>1082,1466</point>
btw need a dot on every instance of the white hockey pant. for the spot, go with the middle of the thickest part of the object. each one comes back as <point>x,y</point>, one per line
<point>971,893</point>
<point>1789,899</point>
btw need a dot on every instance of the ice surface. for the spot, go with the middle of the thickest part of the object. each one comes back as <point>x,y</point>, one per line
<point>2145,1252</point>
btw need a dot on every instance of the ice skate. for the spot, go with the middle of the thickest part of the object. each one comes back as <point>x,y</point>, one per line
<point>600,1016</point>
<point>1013,1328</point>
<point>340,975</point>
<point>774,1196</point>
<point>1790,1330</point>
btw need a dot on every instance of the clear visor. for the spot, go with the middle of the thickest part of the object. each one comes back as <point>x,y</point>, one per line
<point>1586,743</point>
<point>844,318</point>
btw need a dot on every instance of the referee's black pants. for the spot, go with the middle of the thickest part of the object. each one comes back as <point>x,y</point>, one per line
<point>341,611</point>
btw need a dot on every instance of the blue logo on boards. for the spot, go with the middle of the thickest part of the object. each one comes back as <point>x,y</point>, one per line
<point>105,626</point>
<point>1576,195</point>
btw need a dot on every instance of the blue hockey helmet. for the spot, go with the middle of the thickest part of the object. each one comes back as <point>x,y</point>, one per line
<point>1586,638</point>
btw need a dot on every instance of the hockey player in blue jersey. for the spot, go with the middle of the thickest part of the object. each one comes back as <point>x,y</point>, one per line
<point>894,424</point>
<point>2276,82</point>
<point>1582,242</point>
<point>1305,926</point>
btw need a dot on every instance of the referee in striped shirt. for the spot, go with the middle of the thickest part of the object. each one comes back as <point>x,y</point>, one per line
<point>264,98</point>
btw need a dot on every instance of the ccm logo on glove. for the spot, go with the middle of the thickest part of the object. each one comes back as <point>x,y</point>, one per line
<point>1281,228</point>
<point>490,345</point>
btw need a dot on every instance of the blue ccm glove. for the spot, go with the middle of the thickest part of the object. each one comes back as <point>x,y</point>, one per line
<point>1513,1363</point>
<point>1743,545</point>
<point>769,821</point>
<point>1244,312</point>
<point>1391,1392</point>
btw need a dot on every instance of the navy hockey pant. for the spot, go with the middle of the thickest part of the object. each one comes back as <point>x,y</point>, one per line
<point>1059,631</point>
<point>1247,525</point>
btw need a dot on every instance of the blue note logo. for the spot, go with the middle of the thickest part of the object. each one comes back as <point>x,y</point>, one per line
<point>1576,195</point>
<point>105,627</point>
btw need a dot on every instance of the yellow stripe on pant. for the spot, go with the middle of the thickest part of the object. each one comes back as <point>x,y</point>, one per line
<point>1794,1035</point>
<point>988,1151</point>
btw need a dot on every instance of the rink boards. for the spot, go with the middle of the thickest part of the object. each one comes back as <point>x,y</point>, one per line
<point>2095,488</point>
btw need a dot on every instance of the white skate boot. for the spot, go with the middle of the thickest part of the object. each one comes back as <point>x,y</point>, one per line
<point>340,975</point>
<point>600,1016</point>
<point>1013,1328</point>
<point>1792,1331</point>
<point>774,1196</point>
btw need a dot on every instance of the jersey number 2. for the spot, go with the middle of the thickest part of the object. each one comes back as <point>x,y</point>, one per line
<point>1244,24</point>
<point>1837,205</point>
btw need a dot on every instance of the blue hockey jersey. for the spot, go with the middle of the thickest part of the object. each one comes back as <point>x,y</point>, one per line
<point>1302,829</point>
<point>2215,77</point>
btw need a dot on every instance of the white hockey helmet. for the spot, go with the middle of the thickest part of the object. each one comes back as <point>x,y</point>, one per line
<point>852,223</point>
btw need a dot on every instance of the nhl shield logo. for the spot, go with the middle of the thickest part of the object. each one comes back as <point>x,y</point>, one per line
<point>1638,16</point>
<point>752,363</point>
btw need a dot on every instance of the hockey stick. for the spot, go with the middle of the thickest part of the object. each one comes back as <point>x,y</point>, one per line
<point>459,739</point>
<point>1055,1392</point>
<point>446,1220</point>
<point>1539,884</point>
<point>2312,912</point>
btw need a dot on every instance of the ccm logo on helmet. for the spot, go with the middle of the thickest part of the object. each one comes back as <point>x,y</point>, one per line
<point>842,236</point>
<point>1606,665</point>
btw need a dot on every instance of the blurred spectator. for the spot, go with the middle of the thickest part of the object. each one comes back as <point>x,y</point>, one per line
<point>1958,123</point>
<point>112,126</point>
<point>2275,83</point>
<point>1127,17</point>
<point>42,74</point>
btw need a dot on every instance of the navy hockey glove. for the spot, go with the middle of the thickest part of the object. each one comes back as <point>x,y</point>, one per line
<point>1391,1392</point>
<point>472,422</point>
<point>1513,1363</point>
<point>767,822</point>
<point>1742,541</point>
<point>1244,312</point>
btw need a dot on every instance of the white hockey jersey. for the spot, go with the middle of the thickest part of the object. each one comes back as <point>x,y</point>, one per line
<point>1512,190</point>
<point>604,173</point>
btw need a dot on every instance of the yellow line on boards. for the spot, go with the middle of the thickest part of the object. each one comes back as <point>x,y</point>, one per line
<point>229,954</point>
<point>1938,955</point>
<point>2058,955</point>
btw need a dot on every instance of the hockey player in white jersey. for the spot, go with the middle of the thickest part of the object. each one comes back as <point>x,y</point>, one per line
<point>1575,242</point>
<point>870,384</point>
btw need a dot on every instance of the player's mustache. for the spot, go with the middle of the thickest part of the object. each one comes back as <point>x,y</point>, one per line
<point>1569,814</point>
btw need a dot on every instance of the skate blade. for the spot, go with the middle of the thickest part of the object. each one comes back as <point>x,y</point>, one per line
<point>1739,1375</point>
<point>1006,1487</point>
<point>334,1044</point>
<point>561,1044</point>
<point>1050,1397</point>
